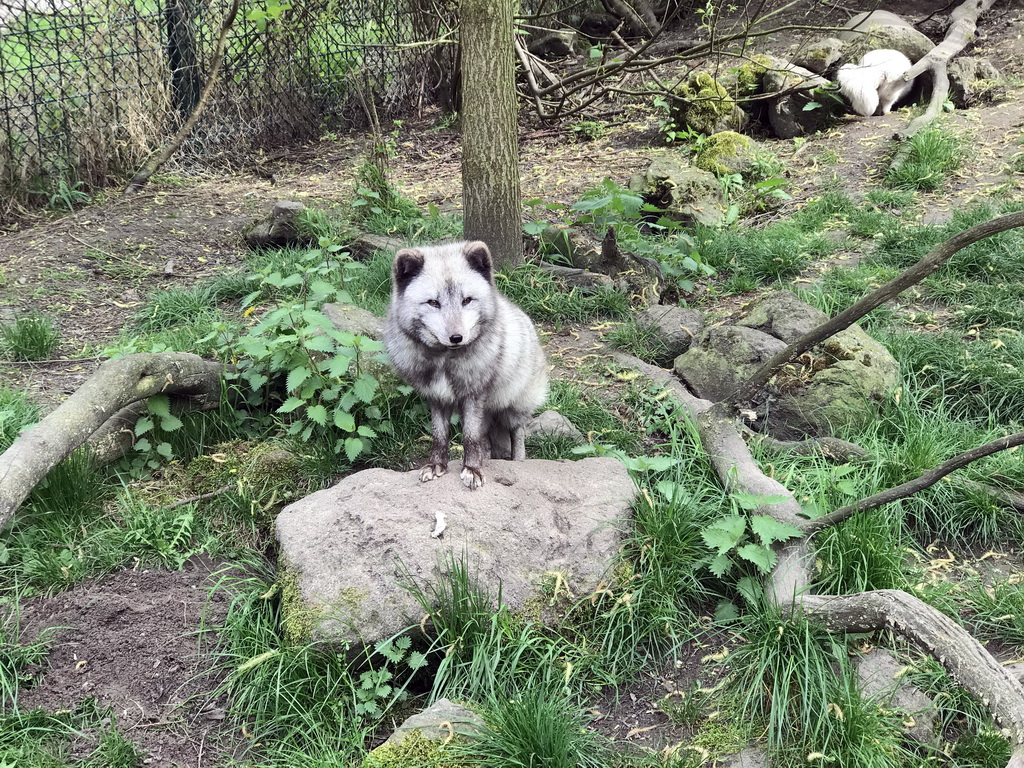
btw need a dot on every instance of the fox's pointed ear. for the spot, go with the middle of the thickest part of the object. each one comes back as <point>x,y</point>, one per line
<point>479,257</point>
<point>407,264</point>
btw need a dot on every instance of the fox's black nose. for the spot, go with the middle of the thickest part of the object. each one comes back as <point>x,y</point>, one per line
<point>455,338</point>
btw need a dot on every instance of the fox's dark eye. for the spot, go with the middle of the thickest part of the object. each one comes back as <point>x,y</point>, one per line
<point>434,303</point>
<point>466,300</point>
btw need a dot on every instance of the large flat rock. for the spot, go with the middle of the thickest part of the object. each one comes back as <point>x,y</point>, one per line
<point>346,550</point>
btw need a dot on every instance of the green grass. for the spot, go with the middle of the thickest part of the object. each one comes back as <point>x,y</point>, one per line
<point>865,552</point>
<point>18,657</point>
<point>29,337</point>
<point>535,726</point>
<point>642,340</point>
<point>16,412</point>
<point>545,299</point>
<point>998,612</point>
<point>296,698</point>
<point>934,153</point>
<point>778,252</point>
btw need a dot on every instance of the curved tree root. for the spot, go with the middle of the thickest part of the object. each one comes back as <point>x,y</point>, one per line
<point>935,633</point>
<point>116,384</point>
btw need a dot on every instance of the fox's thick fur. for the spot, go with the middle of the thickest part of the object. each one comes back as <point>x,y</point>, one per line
<point>877,83</point>
<point>466,348</point>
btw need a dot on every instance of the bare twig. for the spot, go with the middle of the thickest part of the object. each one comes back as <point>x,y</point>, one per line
<point>162,155</point>
<point>915,274</point>
<point>909,488</point>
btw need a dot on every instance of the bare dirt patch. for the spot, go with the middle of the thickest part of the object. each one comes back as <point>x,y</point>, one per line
<point>130,641</point>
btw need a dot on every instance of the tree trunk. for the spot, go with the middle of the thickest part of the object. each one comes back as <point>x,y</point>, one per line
<point>490,145</point>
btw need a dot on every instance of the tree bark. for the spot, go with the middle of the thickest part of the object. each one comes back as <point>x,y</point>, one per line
<point>162,155</point>
<point>116,384</point>
<point>490,138</point>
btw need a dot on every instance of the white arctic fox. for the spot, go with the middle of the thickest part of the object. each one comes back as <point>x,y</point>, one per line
<point>466,348</point>
<point>876,82</point>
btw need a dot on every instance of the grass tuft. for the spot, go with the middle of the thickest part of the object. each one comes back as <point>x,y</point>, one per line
<point>30,337</point>
<point>934,152</point>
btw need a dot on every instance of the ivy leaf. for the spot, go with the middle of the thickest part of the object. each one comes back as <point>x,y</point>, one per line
<point>317,413</point>
<point>725,533</point>
<point>296,378</point>
<point>760,556</point>
<point>770,530</point>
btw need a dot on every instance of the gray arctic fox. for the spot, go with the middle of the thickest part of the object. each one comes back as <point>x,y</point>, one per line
<point>466,348</point>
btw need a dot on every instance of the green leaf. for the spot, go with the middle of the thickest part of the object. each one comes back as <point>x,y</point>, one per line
<point>165,450</point>
<point>320,343</point>
<point>159,405</point>
<point>143,445</point>
<point>143,425</point>
<point>416,661</point>
<point>725,533</point>
<point>344,420</point>
<point>674,492</point>
<point>534,227</point>
<point>291,404</point>
<point>751,589</point>
<point>353,447</point>
<point>170,423</point>
<point>317,413</point>
<point>760,556</point>
<point>751,501</point>
<point>296,378</point>
<point>720,565</point>
<point>726,610</point>
<point>339,365</point>
<point>770,530</point>
<point>365,387</point>
<point>366,431</point>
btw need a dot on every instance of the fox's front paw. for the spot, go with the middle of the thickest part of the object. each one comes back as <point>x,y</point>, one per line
<point>472,478</point>
<point>432,471</point>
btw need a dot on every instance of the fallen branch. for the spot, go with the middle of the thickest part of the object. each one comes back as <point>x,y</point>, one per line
<point>964,22</point>
<point>912,276</point>
<point>918,484</point>
<point>935,633</point>
<point>162,155</point>
<point>116,384</point>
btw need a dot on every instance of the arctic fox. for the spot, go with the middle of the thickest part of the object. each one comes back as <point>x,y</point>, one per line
<point>466,348</point>
<point>876,82</point>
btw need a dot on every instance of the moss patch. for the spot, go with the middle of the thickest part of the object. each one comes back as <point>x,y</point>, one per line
<point>297,617</point>
<point>704,104</point>
<point>413,751</point>
<point>725,153</point>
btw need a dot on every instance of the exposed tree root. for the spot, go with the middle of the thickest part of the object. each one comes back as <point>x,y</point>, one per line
<point>116,384</point>
<point>963,22</point>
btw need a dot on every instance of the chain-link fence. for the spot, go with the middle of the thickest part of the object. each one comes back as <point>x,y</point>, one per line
<point>89,87</point>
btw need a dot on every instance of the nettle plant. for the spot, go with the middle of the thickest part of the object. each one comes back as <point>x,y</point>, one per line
<point>748,538</point>
<point>326,377</point>
<point>640,227</point>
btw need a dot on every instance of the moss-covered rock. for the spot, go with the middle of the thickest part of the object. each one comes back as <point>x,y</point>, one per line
<point>704,105</point>
<point>725,153</point>
<point>686,194</point>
